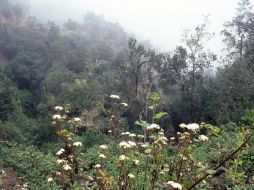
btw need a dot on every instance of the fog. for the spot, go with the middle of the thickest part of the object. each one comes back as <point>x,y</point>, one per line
<point>161,21</point>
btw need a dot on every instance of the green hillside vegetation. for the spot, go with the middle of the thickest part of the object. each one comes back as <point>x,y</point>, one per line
<point>86,105</point>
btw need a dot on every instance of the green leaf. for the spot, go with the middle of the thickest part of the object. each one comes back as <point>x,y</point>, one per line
<point>159,115</point>
<point>142,123</point>
<point>155,97</point>
<point>211,172</point>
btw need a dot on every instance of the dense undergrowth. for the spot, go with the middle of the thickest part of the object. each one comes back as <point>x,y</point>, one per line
<point>175,124</point>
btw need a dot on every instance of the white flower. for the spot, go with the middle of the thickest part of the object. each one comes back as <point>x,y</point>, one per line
<point>123,157</point>
<point>77,144</point>
<point>124,104</point>
<point>193,126</point>
<point>144,145</point>
<point>130,175</point>
<point>50,179</point>
<point>174,185</point>
<point>57,117</point>
<point>66,167</point>
<point>124,145</point>
<point>203,138</point>
<point>127,133</point>
<point>58,108</point>
<point>161,133</point>
<point>135,162</point>
<point>172,138</point>
<point>25,185</point>
<point>183,125</point>
<point>103,146</point>
<point>133,135</point>
<point>153,127</point>
<point>60,161</point>
<point>163,138</point>
<point>97,166</point>
<point>102,156</point>
<point>114,96</point>
<point>59,152</point>
<point>141,136</point>
<point>132,144</point>
<point>77,119</point>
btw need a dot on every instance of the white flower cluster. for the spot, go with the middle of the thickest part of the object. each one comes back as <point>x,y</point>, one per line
<point>192,127</point>
<point>123,157</point>
<point>77,144</point>
<point>102,156</point>
<point>203,138</point>
<point>103,147</point>
<point>114,97</point>
<point>66,167</point>
<point>60,152</point>
<point>58,108</point>
<point>153,127</point>
<point>57,117</point>
<point>174,185</point>
<point>128,144</point>
<point>124,104</point>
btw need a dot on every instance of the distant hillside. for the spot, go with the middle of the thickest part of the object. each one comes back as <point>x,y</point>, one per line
<point>3,60</point>
<point>12,11</point>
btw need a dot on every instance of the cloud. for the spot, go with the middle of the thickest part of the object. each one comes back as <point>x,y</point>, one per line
<point>160,21</point>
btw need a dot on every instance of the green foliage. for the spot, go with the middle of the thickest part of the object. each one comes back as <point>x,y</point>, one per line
<point>34,166</point>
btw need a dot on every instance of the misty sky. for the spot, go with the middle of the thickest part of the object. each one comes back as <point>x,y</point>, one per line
<point>160,21</point>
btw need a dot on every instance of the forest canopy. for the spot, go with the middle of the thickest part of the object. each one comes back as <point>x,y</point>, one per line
<point>78,93</point>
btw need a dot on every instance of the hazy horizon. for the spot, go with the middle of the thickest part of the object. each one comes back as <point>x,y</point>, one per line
<point>161,22</point>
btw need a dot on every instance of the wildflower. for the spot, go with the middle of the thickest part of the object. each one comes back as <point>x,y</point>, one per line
<point>124,104</point>
<point>60,161</point>
<point>77,144</point>
<point>50,179</point>
<point>135,162</point>
<point>58,108</point>
<point>153,127</point>
<point>163,138</point>
<point>130,175</point>
<point>144,145</point>
<point>25,185</point>
<point>174,185</point>
<point>133,135</point>
<point>141,136</point>
<point>123,158</point>
<point>77,119</point>
<point>57,117</point>
<point>193,127</point>
<point>132,144</point>
<point>103,147</point>
<point>123,133</point>
<point>124,145</point>
<point>183,125</point>
<point>102,156</point>
<point>172,138</point>
<point>127,133</point>
<point>161,133</point>
<point>59,152</point>
<point>58,173</point>
<point>97,166</point>
<point>66,167</point>
<point>203,138</point>
<point>112,96</point>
